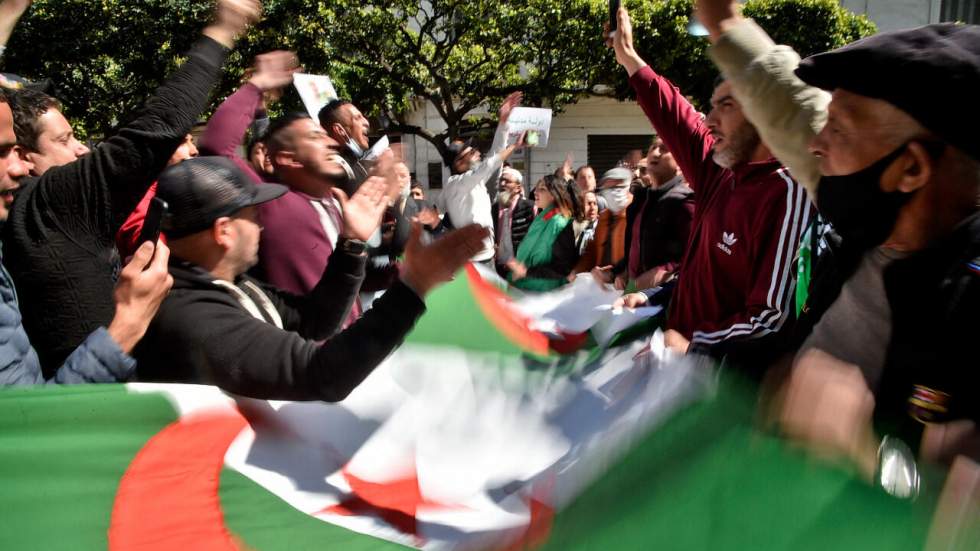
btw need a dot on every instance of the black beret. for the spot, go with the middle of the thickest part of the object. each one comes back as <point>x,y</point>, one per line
<point>932,73</point>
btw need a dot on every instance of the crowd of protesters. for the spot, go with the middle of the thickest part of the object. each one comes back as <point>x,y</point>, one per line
<point>817,230</point>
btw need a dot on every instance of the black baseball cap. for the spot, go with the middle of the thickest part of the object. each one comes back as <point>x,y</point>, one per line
<point>931,72</point>
<point>198,191</point>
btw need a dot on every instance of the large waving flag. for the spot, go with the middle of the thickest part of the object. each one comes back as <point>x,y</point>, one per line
<point>476,434</point>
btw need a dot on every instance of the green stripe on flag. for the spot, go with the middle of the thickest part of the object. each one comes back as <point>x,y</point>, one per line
<point>265,522</point>
<point>62,453</point>
<point>453,316</point>
<point>707,480</point>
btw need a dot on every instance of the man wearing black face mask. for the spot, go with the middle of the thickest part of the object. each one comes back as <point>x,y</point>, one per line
<point>895,291</point>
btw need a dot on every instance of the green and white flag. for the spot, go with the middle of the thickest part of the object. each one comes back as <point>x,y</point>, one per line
<point>473,435</point>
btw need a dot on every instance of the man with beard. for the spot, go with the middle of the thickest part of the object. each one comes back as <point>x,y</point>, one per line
<point>891,312</point>
<point>512,214</point>
<point>737,283</point>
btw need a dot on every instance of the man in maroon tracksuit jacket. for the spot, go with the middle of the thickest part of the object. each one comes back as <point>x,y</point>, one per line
<point>737,275</point>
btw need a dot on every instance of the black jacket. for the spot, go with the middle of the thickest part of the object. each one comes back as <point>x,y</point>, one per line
<point>666,226</point>
<point>59,240</point>
<point>931,368</point>
<point>520,221</point>
<point>203,335</point>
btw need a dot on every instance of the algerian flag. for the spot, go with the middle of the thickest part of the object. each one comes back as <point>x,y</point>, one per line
<point>462,439</point>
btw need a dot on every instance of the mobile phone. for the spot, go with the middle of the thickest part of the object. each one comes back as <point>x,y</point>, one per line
<point>613,12</point>
<point>151,224</point>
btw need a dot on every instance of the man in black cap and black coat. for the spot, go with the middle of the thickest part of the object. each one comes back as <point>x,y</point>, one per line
<point>890,157</point>
<point>219,326</point>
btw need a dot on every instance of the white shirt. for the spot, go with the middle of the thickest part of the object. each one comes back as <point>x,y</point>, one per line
<point>465,198</point>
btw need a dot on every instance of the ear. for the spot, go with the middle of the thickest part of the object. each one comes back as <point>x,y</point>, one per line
<point>286,159</point>
<point>915,168</point>
<point>222,233</point>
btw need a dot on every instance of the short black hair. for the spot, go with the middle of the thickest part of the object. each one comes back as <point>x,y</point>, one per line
<point>328,115</point>
<point>719,80</point>
<point>28,105</point>
<point>275,137</point>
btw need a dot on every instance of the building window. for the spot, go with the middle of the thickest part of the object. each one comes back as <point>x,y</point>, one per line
<point>435,175</point>
<point>605,151</point>
<point>967,11</point>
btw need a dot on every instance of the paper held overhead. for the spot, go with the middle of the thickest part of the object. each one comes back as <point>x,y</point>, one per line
<point>315,91</point>
<point>535,121</point>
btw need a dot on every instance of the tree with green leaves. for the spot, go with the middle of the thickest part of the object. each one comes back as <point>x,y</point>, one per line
<point>393,56</point>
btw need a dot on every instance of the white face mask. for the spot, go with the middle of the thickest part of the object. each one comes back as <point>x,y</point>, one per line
<point>617,198</point>
<point>354,148</point>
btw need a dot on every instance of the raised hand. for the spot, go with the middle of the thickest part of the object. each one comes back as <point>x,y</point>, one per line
<point>565,171</point>
<point>274,70</point>
<point>427,266</point>
<point>622,42</point>
<point>712,14</point>
<point>510,102</point>
<point>143,284</point>
<point>364,210</point>
<point>232,18</point>
<point>10,13</point>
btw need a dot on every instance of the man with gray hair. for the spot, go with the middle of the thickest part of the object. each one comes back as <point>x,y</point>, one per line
<point>891,309</point>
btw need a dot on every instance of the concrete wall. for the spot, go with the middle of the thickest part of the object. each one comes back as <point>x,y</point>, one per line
<point>890,15</point>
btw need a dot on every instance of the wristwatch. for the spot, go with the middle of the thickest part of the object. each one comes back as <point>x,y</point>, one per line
<point>896,472</point>
<point>354,247</point>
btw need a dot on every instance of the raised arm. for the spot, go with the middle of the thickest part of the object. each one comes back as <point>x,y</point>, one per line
<point>787,112</point>
<point>114,177</point>
<point>675,120</point>
<point>226,130</point>
<point>10,13</point>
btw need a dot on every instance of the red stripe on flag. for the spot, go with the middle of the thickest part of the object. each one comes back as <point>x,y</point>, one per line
<point>397,502</point>
<point>168,498</point>
<point>511,324</point>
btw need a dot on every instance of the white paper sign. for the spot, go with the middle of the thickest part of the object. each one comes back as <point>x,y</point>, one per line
<point>315,90</point>
<point>530,119</point>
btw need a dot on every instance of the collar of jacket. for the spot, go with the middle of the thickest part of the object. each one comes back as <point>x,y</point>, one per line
<point>755,171</point>
<point>188,275</point>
